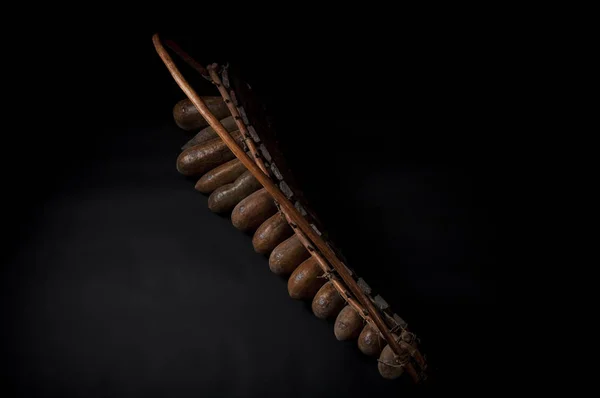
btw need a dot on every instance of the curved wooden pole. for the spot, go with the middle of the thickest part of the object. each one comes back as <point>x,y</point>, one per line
<point>283,201</point>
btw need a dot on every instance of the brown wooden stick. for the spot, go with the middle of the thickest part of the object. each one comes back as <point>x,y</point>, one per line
<point>238,118</point>
<point>279,197</point>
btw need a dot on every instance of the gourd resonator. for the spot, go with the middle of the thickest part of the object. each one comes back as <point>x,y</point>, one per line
<point>238,164</point>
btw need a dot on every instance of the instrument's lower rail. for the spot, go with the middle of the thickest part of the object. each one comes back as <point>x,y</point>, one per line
<point>242,176</point>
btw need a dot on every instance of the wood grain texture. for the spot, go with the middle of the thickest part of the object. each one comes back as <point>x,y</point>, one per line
<point>253,211</point>
<point>287,256</point>
<point>271,233</point>
<point>201,158</point>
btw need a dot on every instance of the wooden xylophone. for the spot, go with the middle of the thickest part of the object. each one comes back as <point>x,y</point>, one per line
<point>237,161</point>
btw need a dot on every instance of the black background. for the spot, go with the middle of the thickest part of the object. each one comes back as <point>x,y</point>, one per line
<point>119,282</point>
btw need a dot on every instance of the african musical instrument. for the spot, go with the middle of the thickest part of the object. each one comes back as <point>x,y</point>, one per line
<point>240,167</point>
